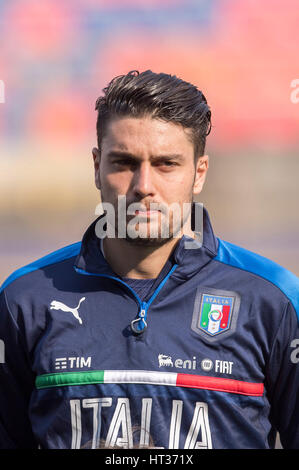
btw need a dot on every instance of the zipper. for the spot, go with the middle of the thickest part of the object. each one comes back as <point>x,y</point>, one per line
<point>139,324</point>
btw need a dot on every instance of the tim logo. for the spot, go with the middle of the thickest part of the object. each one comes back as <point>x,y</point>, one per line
<point>72,362</point>
<point>55,305</point>
<point>2,352</point>
<point>165,360</point>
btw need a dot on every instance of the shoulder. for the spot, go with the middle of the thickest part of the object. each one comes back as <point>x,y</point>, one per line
<point>52,258</point>
<point>263,268</point>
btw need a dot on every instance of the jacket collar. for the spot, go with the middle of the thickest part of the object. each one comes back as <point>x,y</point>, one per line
<point>189,260</point>
<point>192,260</point>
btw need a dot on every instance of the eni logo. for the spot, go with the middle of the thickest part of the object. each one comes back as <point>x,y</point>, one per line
<point>165,360</point>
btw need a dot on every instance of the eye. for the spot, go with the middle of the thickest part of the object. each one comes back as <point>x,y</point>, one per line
<point>124,162</point>
<point>167,164</point>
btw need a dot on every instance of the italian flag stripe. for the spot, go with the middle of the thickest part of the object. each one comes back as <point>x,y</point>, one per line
<point>149,377</point>
<point>225,313</point>
<point>204,317</point>
<point>220,385</point>
<point>69,378</point>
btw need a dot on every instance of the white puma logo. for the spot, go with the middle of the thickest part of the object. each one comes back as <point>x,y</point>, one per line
<point>55,305</point>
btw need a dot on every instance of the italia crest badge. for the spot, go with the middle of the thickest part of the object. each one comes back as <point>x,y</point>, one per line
<point>215,312</point>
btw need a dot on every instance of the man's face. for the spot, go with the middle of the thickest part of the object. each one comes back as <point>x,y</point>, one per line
<point>149,161</point>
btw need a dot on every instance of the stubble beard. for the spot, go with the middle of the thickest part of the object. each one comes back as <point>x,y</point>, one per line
<point>168,228</point>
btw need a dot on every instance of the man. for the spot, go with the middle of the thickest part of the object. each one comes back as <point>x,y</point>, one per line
<point>192,341</point>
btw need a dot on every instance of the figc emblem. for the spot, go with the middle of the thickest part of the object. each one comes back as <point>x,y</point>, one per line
<point>215,312</point>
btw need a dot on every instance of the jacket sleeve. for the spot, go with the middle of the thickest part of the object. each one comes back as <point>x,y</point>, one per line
<point>16,383</point>
<point>283,380</point>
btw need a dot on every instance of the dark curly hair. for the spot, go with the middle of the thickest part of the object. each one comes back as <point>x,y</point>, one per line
<point>160,96</point>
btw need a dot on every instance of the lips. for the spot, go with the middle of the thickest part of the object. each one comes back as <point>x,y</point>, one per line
<point>146,209</point>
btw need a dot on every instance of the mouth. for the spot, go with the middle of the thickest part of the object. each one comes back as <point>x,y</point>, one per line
<point>147,209</point>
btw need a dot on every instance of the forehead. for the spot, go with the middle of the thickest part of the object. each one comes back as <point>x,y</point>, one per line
<point>146,134</point>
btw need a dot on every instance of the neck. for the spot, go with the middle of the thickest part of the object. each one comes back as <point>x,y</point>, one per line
<point>139,261</point>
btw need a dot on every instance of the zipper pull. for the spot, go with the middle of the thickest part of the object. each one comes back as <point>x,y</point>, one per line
<point>139,325</point>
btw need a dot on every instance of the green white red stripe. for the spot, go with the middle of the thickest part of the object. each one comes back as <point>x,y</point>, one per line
<point>151,378</point>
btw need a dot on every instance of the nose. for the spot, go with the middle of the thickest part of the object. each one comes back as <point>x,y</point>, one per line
<point>143,181</point>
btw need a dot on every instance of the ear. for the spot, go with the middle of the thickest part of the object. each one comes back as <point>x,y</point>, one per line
<point>96,162</point>
<point>201,170</point>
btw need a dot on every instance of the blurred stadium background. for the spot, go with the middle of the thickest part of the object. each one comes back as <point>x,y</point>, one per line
<point>55,59</point>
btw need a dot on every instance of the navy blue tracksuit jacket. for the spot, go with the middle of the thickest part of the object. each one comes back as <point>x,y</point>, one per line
<point>217,366</point>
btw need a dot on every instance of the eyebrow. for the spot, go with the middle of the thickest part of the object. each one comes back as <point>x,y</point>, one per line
<point>124,154</point>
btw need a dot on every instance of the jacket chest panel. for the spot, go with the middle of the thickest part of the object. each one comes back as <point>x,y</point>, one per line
<point>93,333</point>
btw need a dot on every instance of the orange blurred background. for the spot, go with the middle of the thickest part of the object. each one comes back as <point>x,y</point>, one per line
<point>55,59</point>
